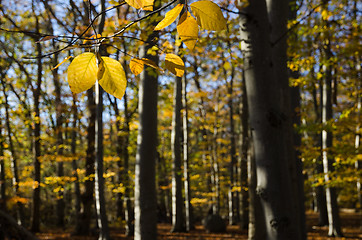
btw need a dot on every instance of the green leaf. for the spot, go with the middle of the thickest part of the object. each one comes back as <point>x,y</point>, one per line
<point>112,77</point>
<point>208,15</point>
<point>82,72</point>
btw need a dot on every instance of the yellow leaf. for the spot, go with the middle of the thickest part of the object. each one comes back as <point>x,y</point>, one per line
<point>148,5</point>
<point>61,62</point>
<point>175,64</point>
<point>136,65</point>
<point>82,72</point>
<point>170,17</point>
<point>208,15</point>
<point>136,3</point>
<point>188,30</point>
<point>113,78</point>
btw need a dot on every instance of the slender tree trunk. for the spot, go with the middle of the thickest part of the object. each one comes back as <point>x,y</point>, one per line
<point>2,173</point>
<point>327,114</point>
<point>14,159</point>
<point>83,225</point>
<point>145,172</point>
<point>35,223</point>
<point>74,161</point>
<point>233,202</point>
<point>177,199</point>
<point>188,212</point>
<point>59,134</point>
<point>268,122</point>
<point>99,180</point>
<point>245,145</point>
<point>129,217</point>
<point>215,163</point>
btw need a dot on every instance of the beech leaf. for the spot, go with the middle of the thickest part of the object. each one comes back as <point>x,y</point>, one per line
<point>170,17</point>
<point>112,77</point>
<point>136,3</point>
<point>188,30</point>
<point>208,15</point>
<point>148,5</point>
<point>137,65</point>
<point>175,64</point>
<point>82,72</point>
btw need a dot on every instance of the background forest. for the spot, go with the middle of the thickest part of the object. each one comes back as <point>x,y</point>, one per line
<point>262,125</point>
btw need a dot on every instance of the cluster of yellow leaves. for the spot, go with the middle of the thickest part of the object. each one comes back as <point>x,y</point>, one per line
<point>84,71</point>
<point>208,16</point>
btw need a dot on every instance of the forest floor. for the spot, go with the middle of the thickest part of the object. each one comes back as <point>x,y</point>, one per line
<point>351,227</point>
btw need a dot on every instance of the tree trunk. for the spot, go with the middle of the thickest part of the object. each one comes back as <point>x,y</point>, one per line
<point>188,216</point>
<point>268,121</point>
<point>2,172</point>
<point>129,217</point>
<point>99,180</point>
<point>14,159</point>
<point>83,225</point>
<point>59,135</point>
<point>35,224</point>
<point>257,225</point>
<point>177,199</point>
<point>245,145</point>
<point>145,186</point>
<point>74,161</point>
<point>327,114</point>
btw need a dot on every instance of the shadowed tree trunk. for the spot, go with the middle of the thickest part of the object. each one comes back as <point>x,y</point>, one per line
<point>145,171</point>
<point>188,212</point>
<point>2,173</point>
<point>267,118</point>
<point>73,149</point>
<point>177,199</point>
<point>35,218</point>
<point>245,145</point>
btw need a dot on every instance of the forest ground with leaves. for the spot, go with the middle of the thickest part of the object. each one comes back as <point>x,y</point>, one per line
<point>351,226</point>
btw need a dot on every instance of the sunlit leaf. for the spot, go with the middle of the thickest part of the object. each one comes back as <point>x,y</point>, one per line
<point>170,17</point>
<point>61,62</point>
<point>112,77</point>
<point>175,64</point>
<point>82,72</point>
<point>148,5</point>
<point>208,15</point>
<point>137,65</point>
<point>188,30</point>
<point>136,3</point>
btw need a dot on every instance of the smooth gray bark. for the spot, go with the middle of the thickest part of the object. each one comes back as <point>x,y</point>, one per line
<point>268,122</point>
<point>145,185</point>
